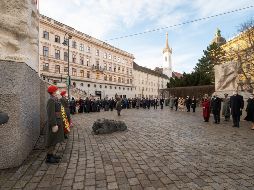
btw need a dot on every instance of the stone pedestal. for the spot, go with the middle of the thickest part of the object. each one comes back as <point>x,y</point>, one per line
<point>20,98</point>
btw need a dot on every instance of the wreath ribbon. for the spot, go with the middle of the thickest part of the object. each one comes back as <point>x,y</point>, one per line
<point>65,120</point>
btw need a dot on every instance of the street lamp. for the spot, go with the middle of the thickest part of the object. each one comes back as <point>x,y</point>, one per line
<point>66,42</point>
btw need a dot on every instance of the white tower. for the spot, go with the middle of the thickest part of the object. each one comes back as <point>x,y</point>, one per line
<point>167,64</point>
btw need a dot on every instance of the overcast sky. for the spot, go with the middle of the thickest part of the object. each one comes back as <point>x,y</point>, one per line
<point>107,19</point>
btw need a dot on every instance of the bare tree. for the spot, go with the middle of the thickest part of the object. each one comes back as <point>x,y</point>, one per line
<point>243,54</point>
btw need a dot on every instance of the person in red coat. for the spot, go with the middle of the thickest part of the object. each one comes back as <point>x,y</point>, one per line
<point>206,108</point>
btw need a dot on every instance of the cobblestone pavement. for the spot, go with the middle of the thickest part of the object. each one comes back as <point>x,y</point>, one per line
<point>160,150</point>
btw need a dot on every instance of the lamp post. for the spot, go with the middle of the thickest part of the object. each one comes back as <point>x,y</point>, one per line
<point>66,42</point>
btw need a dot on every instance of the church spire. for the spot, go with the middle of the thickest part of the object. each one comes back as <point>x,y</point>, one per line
<point>167,48</point>
<point>167,41</point>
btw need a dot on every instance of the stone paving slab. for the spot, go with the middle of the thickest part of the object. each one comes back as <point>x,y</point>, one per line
<point>161,149</point>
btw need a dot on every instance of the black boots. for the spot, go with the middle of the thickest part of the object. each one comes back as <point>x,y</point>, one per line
<point>52,159</point>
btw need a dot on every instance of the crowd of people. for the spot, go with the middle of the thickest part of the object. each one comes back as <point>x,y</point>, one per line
<point>96,105</point>
<point>59,111</point>
<point>231,106</point>
<point>227,106</point>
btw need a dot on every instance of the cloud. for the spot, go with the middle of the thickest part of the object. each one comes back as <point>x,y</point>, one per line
<point>184,62</point>
<point>100,18</point>
<point>105,19</point>
<point>207,8</point>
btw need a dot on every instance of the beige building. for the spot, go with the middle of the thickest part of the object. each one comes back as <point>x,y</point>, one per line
<point>147,82</point>
<point>96,67</point>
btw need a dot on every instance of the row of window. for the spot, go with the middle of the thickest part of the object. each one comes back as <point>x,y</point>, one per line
<point>88,48</point>
<point>147,83</point>
<point>110,87</point>
<point>88,74</point>
<point>87,61</point>
<point>58,56</point>
<point>148,89</point>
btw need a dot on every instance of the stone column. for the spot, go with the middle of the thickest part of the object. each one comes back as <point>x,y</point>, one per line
<point>20,83</point>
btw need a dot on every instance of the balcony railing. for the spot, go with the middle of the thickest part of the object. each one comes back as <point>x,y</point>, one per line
<point>45,68</point>
<point>97,68</point>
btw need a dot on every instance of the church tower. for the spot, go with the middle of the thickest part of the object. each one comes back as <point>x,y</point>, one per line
<point>167,64</point>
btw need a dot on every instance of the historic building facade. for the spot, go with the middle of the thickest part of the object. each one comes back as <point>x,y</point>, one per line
<point>147,82</point>
<point>96,67</point>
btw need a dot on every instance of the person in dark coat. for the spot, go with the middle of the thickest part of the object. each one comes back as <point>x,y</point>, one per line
<point>148,103</point>
<point>188,103</point>
<point>176,103</point>
<point>226,107</point>
<point>250,111</point>
<point>55,126</point>
<point>193,104</point>
<point>155,103</point>
<point>72,106</point>
<point>134,102</point>
<point>111,104</point>
<point>81,105</point>
<point>216,107</point>
<point>98,105</point>
<point>206,108</point>
<point>144,103</point>
<point>118,105</point>
<point>138,102</point>
<point>87,105</point>
<point>106,104</point>
<point>236,105</point>
<point>93,105</point>
<point>162,103</point>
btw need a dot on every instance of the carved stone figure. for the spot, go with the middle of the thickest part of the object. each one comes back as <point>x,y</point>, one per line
<point>19,26</point>
<point>226,76</point>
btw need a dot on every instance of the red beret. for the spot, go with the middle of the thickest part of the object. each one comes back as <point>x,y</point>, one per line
<point>63,93</point>
<point>52,89</point>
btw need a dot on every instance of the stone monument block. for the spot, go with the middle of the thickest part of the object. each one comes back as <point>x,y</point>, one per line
<point>20,99</point>
<point>20,83</point>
